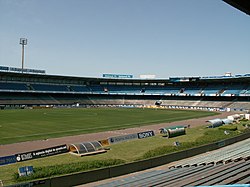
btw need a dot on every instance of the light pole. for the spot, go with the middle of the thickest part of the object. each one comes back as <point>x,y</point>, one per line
<point>23,42</point>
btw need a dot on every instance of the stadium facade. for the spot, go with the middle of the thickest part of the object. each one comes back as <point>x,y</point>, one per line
<point>211,93</point>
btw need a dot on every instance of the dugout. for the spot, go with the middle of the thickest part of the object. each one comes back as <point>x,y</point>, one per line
<point>174,131</point>
<point>86,148</point>
<point>234,117</point>
<point>227,121</point>
<point>215,123</point>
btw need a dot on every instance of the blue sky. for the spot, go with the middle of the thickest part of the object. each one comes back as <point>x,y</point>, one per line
<point>87,38</point>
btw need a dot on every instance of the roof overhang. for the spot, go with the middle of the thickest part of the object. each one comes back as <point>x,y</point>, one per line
<point>242,5</point>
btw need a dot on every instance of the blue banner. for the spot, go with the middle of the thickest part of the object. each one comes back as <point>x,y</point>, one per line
<point>4,68</point>
<point>7,160</point>
<point>117,76</point>
<point>20,70</point>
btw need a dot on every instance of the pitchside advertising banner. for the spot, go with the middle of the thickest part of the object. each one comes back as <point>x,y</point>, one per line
<point>123,138</point>
<point>7,160</point>
<point>41,153</point>
<point>118,139</point>
<point>145,134</point>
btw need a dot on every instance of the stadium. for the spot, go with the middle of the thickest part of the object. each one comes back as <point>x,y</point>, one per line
<point>179,131</point>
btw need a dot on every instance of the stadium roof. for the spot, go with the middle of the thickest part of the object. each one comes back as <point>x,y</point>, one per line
<point>24,77</point>
<point>242,5</point>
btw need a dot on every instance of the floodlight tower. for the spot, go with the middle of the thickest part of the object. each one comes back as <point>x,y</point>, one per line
<point>23,42</point>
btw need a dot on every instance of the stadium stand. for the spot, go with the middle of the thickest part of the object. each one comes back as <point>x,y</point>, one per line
<point>237,151</point>
<point>231,173</point>
<point>209,93</point>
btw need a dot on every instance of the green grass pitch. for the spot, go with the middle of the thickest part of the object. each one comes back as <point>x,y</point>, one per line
<point>36,124</point>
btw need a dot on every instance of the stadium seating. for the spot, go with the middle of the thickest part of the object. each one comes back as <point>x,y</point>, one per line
<point>233,90</point>
<point>97,89</point>
<point>192,92</point>
<point>228,165</point>
<point>231,173</point>
<point>80,89</point>
<point>13,86</point>
<point>210,90</point>
<point>236,151</point>
<point>62,90</point>
<point>48,87</point>
<point>246,91</point>
<point>162,90</point>
<point>124,89</point>
<point>239,105</point>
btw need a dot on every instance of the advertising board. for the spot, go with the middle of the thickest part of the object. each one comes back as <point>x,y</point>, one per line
<point>117,76</point>
<point>20,70</point>
<point>41,153</point>
<point>147,76</point>
<point>146,134</point>
<point>7,160</point>
<point>123,138</point>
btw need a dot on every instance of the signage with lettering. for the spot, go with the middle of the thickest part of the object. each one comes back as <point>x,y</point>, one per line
<point>41,153</point>
<point>117,76</point>
<point>122,138</point>
<point>145,134</point>
<point>20,70</point>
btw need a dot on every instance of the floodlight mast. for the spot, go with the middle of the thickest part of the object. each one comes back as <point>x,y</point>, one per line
<point>23,42</point>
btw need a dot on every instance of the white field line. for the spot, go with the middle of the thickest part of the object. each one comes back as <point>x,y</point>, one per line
<point>68,114</point>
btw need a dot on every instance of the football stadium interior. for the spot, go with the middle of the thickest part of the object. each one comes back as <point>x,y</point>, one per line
<point>211,93</point>
<point>223,162</point>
